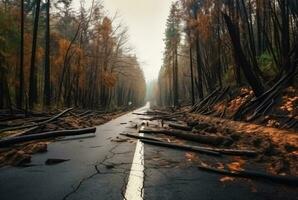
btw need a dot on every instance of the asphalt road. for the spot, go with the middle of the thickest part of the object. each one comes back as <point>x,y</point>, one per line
<point>101,169</point>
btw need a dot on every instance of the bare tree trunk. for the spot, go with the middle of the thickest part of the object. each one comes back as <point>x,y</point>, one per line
<point>21,72</point>
<point>33,76</point>
<point>47,71</point>
<point>199,69</point>
<point>191,75</point>
<point>285,36</point>
<point>241,60</point>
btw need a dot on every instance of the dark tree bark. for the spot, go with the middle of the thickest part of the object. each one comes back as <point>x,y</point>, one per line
<point>175,77</point>
<point>199,69</point>
<point>241,60</point>
<point>285,36</point>
<point>21,72</point>
<point>191,75</point>
<point>47,71</point>
<point>33,76</point>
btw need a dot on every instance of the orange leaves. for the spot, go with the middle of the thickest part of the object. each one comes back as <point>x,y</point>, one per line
<point>109,79</point>
<point>207,19</point>
<point>226,179</point>
<point>236,166</point>
<point>289,103</point>
<point>190,156</point>
<point>106,28</point>
<point>204,25</point>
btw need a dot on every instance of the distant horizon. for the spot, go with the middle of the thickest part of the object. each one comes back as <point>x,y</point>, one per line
<point>146,22</point>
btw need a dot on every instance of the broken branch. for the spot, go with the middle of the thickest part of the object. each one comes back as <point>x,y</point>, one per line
<point>207,139</point>
<point>253,175</point>
<point>183,147</point>
<point>11,141</point>
<point>36,124</point>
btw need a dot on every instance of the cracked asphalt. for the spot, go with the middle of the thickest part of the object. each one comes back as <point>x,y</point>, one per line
<point>99,169</point>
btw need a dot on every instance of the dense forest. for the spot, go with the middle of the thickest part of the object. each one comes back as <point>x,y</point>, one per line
<point>219,76</point>
<point>53,56</point>
<point>218,49</point>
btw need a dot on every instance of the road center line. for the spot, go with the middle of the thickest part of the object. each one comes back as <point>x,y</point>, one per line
<point>134,188</point>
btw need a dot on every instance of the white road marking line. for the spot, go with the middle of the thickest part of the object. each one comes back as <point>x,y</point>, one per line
<point>135,183</point>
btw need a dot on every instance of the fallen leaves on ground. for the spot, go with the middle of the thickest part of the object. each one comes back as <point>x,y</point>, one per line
<point>236,165</point>
<point>226,179</point>
<point>19,154</point>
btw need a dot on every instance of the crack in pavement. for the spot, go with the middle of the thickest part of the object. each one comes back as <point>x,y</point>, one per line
<point>105,162</point>
<point>97,170</point>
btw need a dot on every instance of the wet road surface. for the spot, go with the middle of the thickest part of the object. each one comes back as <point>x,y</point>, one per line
<point>101,168</point>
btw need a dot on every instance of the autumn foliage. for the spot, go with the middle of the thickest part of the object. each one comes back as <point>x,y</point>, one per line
<point>91,63</point>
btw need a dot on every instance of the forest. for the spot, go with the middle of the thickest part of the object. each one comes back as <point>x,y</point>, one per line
<point>80,102</point>
<point>52,56</point>
<point>221,54</point>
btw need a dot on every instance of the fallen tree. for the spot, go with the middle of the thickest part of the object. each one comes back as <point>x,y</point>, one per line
<point>183,147</point>
<point>25,132</point>
<point>180,127</point>
<point>290,180</point>
<point>33,120</point>
<point>140,137</point>
<point>206,139</point>
<point>37,124</point>
<point>52,134</point>
<point>197,148</point>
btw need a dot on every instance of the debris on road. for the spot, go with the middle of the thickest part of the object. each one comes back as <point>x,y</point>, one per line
<point>21,128</point>
<point>140,137</point>
<point>291,180</point>
<point>6,142</point>
<point>55,161</point>
<point>273,150</point>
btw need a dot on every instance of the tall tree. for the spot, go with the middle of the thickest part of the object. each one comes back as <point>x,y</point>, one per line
<point>21,72</point>
<point>33,75</point>
<point>172,44</point>
<point>241,60</point>
<point>47,71</point>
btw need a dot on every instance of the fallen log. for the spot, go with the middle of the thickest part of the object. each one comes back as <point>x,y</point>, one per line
<point>290,180</point>
<point>203,102</point>
<point>206,139</point>
<point>52,134</point>
<point>8,117</point>
<point>180,127</point>
<point>33,120</point>
<point>24,132</point>
<point>36,124</point>
<point>165,118</point>
<point>183,147</point>
<point>140,137</point>
<point>235,152</point>
<point>212,101</point>
<point>54,161</point>
<point>142,114</point>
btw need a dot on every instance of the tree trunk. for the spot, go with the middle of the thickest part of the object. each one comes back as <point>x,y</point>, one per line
<point>21,72</point>
<point>199,70</point>
<point>241,60</point>
<point>285,36</point>
<point>191,75</point>
<point>33,76</point>
<point>47,81</point>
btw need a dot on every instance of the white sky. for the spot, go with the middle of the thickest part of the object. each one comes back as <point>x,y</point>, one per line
<point>146,20</point>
